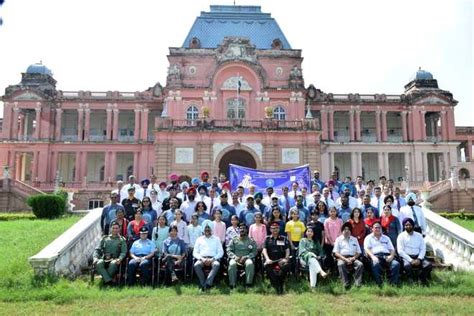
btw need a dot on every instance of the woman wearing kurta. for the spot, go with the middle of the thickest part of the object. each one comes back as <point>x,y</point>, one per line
<point>309,252</point>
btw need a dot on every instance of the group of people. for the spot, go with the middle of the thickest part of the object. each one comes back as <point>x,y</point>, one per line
<point>336,226</point>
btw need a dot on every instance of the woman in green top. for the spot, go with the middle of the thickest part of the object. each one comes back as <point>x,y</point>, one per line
<point>310,251</point>
<point>160,234</point>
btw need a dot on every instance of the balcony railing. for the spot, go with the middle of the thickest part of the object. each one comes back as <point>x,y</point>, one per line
<point>69,138</point>
<point>96,138</point>
<point>341,136</point>
<point>232,124</point>
<point>433,139</point>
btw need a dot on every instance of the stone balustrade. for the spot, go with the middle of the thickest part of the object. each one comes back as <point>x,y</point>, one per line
<point>452,243</point>
<point>70,252</point>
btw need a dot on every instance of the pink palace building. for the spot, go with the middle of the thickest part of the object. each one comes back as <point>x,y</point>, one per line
<point>235,93</point>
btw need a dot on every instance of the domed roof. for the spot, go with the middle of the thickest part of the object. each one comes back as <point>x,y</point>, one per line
<point>422,75</point>
<point>38,68</point>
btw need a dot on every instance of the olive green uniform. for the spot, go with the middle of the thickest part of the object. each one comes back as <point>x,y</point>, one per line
<point>109,248</point>
<point>241,248</point>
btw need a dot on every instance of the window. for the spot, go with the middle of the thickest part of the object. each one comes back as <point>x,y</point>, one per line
<point>236,109</point>
<point>95,204</point>
<point>192,113</point>
<point>279,113</point>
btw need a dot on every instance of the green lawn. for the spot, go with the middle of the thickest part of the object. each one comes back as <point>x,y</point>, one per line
<point>466,223</point>
<point>20,293</point>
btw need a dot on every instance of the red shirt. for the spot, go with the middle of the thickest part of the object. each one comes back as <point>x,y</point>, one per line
<point>358,231</point>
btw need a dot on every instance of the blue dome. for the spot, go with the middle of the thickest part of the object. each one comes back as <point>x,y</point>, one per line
<point>38,68</point>
<point>423,75</point>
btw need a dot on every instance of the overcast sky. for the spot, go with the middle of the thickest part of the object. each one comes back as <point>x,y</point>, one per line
<point>348,46</point>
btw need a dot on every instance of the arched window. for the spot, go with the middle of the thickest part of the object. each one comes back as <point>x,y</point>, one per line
<point>192,113</point>
<point>235,108</point>
<point>279,113</point>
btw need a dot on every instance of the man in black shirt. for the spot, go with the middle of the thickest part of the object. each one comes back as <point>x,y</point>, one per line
<point>276,252</point>
<point>130,204</point>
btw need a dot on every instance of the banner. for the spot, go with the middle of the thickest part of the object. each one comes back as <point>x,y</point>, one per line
<point>261,179</point>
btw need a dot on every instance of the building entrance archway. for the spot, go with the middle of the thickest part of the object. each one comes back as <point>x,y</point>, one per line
<point>238,157</point>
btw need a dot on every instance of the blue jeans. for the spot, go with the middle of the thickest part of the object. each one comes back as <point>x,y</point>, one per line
<point>145,268</point>
<point>393,266</point>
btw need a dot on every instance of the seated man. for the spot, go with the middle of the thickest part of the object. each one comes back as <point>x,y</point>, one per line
<point>207,252</point>
<point>276,252</point>
<point>174,250</point>
<point>241,252</point>
<point>347,252</point>
<point>412,249</point>
<point>141,252</point>
<point>109,253</point>
<point>380,250</point>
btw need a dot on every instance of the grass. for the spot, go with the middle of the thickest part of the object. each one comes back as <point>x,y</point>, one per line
<point>21,293</point>
<point>466,223</point>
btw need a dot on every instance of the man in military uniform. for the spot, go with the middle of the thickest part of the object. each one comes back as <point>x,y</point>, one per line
<point>276,252</point>
<point>241,252</point>
<point>109,253</point>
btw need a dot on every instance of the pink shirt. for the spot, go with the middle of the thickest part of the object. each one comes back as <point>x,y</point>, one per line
<point>332,229</point>
<point>219,230</point>
<point>258,233</point>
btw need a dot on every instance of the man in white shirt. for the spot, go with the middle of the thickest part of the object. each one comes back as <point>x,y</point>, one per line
<point>203,196</point>
<point>352,200</point>
<point>188,207</point>
<point>415,213</point>
<point>120,195</point>
<point>327,199</point>
<point>347,251</point>
<point>267,200</point>
<point>207,251</point>
<point>239,207</point>
<point>380,250</point>
<point>377,200</point>
<point>412,249</point>
<point>131,183</point>
<point>162,192</point>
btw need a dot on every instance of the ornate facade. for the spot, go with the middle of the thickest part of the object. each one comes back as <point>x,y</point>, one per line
<point>235,93</point>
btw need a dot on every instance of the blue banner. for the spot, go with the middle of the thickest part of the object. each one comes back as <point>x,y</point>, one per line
<point>262,179</point>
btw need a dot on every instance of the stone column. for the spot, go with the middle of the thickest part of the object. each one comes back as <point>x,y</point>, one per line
<point>404,126</point>
<point>87,124</point>
<point>59,114</point>
<point>80,124</point>
<point>77,163</point>
<point>84,168</point>
<point>445,167</point>
<point>34,167</point>
<point>135,164</point>
<point>331,163</point>
<point>116,124</point>
<point>37,135</point>
<point>324,124</point>
<point>113,166</point>
<point>386,166</point>
<point>354,166</point>
<point>107,159</point>
<point>357,126</point>
<point>16,113</point>
<point>351,125</point>
<point>422,125</point>
<point>7,121</point>
<point>21,131</point>
<point>331,125</point>
<point>377,126</point>
<point>468,151</point>
<point>359,164</point>
<point>424,158</point>
<point>384,126</point>
<point>380,162</point>
<point>108,131</point>
<point>136,132</point>
<point>144,125</point>
<point>54,166</point>
<point>444,127</point>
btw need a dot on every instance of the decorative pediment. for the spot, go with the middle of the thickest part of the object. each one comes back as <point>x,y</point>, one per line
<point>233,83</point>
<point>236,48</point>
<point>27,96</point>
<point>432,100</point>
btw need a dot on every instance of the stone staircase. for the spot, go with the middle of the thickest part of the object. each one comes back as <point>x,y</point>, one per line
<point>13,195</point>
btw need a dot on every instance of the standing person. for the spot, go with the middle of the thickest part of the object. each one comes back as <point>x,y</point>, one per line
<point>303,212</point>
<point>232,231</point>
<point>167,202</point>
<point>258,232</point>
<point>181,225</point>
<point>122,222</point>
<point>149,214</point>
<point>155,203</point>
<point>412,249</point>
<point>207,252</point>
<point>277,217</point>
<point>309,252</point>
<point>135,226</point>
<point>141,253</point>
<point>381,252</point>
<point>241,251</point>
<point>200,210</point>
<point>194,232</point>
<point>130,204</point>
<point>218,226</point>
<point>326,198</point>
<point>189,205</point>
<point>347,252</point>
<point>316,180</point>
<point>415,213</point>
<point>227,210</point>
<point>370,218</point>
<point>162,192</point>
<point>323,211</point>
<point>236,204</point>
<point>110,252</point>
<point>276,252</point>
<point>160,233</point>
<point>390,225</point>
<point>109,213</point>
<point>285,201</point>
<point>332,230</point>
<point>295,230</point>
<point>170,214</point>
<point>247,216</point>
<point>121,195</point>
<point>318,228</point>
<point>359,229</point>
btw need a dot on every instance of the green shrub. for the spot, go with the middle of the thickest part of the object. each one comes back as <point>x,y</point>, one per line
<point>62,193</point>
<point>47,205</point>
<point>5,217</point>
<point>460,215</point>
